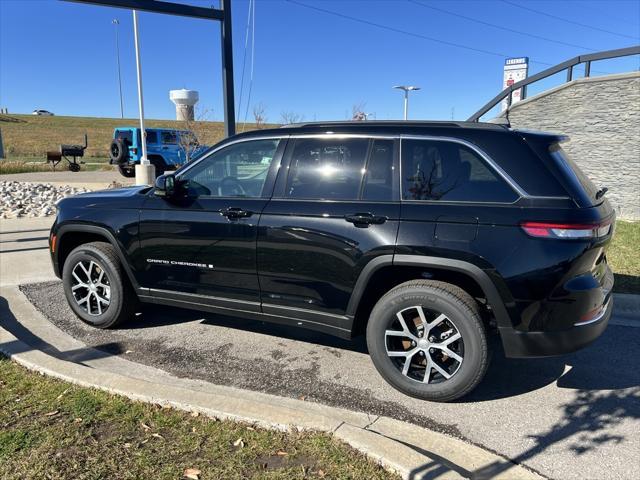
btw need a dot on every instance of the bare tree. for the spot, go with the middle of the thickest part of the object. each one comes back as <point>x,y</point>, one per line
<point>259,115</point>
<point>199,133</point>
<point>288,117</point>
<point>357,111</point>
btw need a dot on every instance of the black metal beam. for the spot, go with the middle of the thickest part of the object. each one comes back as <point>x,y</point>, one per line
<point>223,15</point>
<point>227,71</point>
<point>157,6</point>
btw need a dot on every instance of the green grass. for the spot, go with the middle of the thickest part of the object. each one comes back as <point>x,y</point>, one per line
<point>624,257</point>
<point>51,429</point>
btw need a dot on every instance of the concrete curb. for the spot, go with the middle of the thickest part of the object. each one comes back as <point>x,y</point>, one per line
<point>411,451</point>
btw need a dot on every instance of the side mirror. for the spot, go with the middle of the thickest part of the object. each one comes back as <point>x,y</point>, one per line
<point>165,186</point>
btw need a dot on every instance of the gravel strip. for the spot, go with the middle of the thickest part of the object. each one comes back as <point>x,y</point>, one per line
<point>22,199</point>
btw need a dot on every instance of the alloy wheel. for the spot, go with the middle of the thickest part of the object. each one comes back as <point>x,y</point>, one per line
<point>90,287</point>
<point>424,345</point>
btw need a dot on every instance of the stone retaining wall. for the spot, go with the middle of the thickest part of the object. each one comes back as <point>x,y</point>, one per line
<point>601,115</point>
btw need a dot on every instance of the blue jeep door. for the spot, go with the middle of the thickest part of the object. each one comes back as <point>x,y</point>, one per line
<point>202,248</point>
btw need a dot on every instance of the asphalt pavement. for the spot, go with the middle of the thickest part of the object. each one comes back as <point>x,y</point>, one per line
<point>576,416</point>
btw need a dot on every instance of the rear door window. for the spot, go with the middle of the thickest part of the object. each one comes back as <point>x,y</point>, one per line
<point>449,171</point>
<point>169,138</point>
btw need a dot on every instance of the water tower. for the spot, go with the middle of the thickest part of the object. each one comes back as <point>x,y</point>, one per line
<point>184,101</point>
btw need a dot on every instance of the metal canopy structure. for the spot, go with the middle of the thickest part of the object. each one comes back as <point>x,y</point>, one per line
<point>222,15</point>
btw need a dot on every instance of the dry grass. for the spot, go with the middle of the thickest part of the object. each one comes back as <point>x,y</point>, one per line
<point>33,136</point>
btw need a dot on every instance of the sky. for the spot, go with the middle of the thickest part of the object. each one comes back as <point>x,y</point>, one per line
<point>315,58</point>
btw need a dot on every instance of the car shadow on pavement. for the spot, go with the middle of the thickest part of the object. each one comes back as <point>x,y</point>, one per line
<point>595,368</point>
<point>154,315</point>
<point>27,341</point>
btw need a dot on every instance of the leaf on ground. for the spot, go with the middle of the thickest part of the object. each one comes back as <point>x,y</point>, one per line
<point>145,426</point>
<point>128,351</point>
<point>157,435</point>
<point>195,414</point>
<point>321,473</point>
<point>51,414</point>
<point>62,394</point>
<point>251,428</point>
<point>77,420</point>
<point>192,473</point>
<point>238,443</point>
<point>127,445</point>
<point>281,453</point>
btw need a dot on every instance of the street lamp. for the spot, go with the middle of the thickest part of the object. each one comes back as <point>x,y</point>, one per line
<point>406,89</point>
<point>116,22</point>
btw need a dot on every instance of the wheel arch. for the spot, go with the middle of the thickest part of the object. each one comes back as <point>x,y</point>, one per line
<point>72,236</point>
<point>386,271</point>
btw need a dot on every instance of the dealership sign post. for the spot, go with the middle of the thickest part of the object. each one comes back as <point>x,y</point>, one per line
<point>515,69</point>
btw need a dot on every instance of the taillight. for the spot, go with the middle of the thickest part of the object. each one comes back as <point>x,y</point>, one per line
<point>567,231</point>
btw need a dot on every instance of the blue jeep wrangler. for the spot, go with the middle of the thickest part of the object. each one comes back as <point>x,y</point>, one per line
<point>167,149</point>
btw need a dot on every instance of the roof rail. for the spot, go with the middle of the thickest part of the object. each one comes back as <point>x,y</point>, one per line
<point>392,123</point>
<point>566,65</point>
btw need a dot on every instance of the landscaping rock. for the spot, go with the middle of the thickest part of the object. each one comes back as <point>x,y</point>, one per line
<point>22,199</point>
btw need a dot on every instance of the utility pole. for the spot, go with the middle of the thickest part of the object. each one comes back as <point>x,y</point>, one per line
<point>145,172</point>
<point>116,22</point>
<point>406,89</point>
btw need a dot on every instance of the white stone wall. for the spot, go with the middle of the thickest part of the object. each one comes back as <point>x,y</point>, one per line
<point>601,115</point>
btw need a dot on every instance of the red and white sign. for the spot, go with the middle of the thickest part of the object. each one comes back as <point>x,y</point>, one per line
<point>515,70</point>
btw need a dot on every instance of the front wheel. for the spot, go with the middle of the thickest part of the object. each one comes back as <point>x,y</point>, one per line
<point>426,338</point>
<point>96,286</point>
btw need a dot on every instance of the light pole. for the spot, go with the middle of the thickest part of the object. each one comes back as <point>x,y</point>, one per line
<point>116,22</point>
<point>406,89</point>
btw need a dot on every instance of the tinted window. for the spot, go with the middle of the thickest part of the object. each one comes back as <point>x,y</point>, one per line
<point>152,137</point>
<point>330,169</point>
<point>572,170</point>
<point>169,137</point>
<point>378,178</point>
<point>125,135</point>
<point>441,170</point>
<point>239,170</point>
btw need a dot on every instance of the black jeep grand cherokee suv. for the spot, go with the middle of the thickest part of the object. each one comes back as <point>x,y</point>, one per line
<point>428,236</point>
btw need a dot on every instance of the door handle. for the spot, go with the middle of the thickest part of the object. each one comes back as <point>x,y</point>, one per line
<point>365,219</point>
<point>235,212</point>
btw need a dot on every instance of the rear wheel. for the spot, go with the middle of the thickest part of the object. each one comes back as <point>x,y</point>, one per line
<point>127,170</point>
<point>426,338</point>
<point>97,289</point>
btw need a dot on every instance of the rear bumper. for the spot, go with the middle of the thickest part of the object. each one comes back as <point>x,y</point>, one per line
<point>543,344</point>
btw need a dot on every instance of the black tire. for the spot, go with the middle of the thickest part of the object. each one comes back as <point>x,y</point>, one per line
<point>461,314</point>
<point>160,165</point>
<point>128,171</point>
<point>118,151</point>
<point>74,167</point>
<point>122,300</point>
